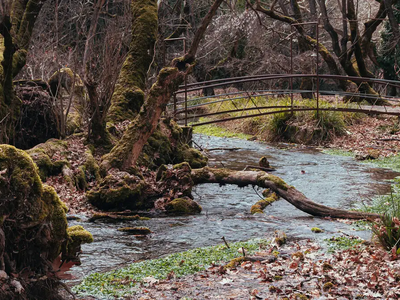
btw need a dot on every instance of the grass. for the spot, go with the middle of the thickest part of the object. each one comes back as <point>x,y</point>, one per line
<point>215,130</point>
<point>124,282</point>
<point>392,162</point>
<point>282,126</point>
<point>342,243</point>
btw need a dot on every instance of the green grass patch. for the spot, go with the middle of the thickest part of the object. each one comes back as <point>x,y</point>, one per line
<point>123,282</point>
<point>392,162</point>
<point>342,243</point>
<point>386,204</point>
<point>215,130</point>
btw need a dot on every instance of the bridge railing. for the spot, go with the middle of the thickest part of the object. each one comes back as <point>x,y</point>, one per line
<point>189,97</point>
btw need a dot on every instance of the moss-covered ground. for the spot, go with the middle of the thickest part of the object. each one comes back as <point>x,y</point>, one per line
<point>124,282</point>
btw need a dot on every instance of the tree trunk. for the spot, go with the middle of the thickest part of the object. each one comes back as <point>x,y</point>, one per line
<point>15,35</point>
<point>125,154</point>
<point>129,93</point>
<point>277,185</point>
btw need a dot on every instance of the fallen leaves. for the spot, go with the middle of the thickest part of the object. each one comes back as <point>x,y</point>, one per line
<point>300,272</point>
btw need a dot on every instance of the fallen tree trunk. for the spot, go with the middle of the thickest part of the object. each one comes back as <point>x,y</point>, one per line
<point>277,185</point>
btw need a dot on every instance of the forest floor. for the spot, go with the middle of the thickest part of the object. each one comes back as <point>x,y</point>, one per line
<point>302,270</point>
<point>370,133</point>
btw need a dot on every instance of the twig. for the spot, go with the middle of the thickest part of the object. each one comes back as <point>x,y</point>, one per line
<point>226,243</point>
<point>244,253</point>
<point>4,118</point>
<point>254,188</point>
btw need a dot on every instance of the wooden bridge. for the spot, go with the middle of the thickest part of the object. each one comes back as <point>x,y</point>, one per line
<point>253,96</point>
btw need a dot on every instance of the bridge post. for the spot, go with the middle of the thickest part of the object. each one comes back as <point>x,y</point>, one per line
<point>291,69</point>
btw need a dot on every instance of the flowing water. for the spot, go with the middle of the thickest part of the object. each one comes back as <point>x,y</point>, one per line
<point>330,180</point>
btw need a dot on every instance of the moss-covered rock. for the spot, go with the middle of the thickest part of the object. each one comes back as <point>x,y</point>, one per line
<point>183,206</point>
<point>43,154</point>
<point>77,236</point>
<point>193,157</point>
<point>41,231</point>
<point>119,190</point>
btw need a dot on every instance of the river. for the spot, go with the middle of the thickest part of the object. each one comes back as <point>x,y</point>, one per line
<point>330,180</point>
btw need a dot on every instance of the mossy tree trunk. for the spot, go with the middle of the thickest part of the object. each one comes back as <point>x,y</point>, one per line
<point>125,154</point>
<point>16,28</point>
<point>129,94</point>
<point>277,185</point>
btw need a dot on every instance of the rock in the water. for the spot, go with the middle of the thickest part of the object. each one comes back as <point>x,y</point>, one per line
<point>183,206</point>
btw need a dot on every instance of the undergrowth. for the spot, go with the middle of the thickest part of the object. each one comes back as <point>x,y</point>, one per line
<point>123,282</point>
<point>302,126</point>
<point>387,229</point>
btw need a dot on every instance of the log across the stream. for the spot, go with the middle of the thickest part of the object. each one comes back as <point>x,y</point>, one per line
<point>277,185</point>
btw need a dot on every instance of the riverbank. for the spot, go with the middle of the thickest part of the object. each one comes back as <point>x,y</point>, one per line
<point>274,269</point>
<point>379,136</point>
<point>226,210</point>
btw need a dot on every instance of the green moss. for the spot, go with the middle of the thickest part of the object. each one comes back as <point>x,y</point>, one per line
<point>42,155</point>
<point>316,230</point>
<point>55,210</point>
<point>221,174</point>
<point>160,172</point>
<point>183,206</point>
<point>80,178</point>
<point>119,191</point>
<point>183,166</point>
<point>128,95</point>
<point>262,204</point>
<point>234,263</point>
<point>275,179</point>
<point>21,173</point>
<point>39,211</point>
<point>91,166</point>
<point>194,157</point>
<point>19,61</point>
<point>77,236</point>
